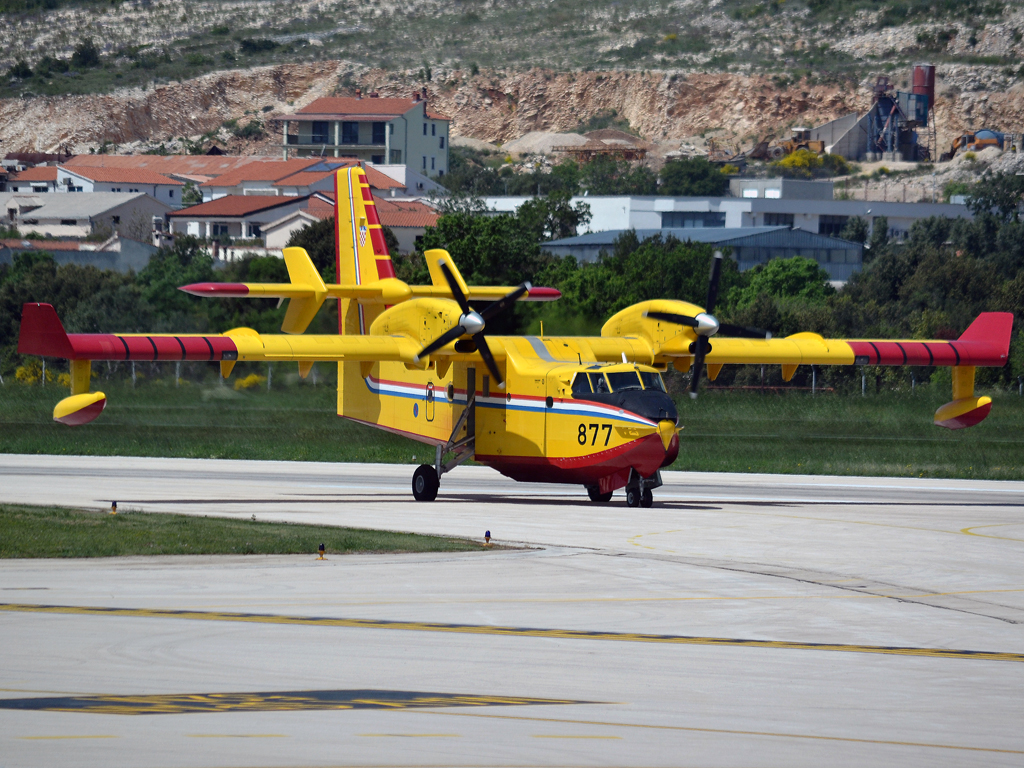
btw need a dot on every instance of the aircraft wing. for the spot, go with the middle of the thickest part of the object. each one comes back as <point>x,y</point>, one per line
<point>42,333</point>
<point>986,342</point>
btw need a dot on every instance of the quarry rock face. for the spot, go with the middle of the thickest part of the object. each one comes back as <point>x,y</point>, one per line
<point>663,107</point>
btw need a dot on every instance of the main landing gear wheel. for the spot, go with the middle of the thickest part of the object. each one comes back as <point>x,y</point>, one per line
<point>633,497</point>
<point>597,496</point>
<point>647,498</point>
<point>425,483</point>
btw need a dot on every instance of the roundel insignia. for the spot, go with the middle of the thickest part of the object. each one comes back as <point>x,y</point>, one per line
<point>415,410</point>
<point>362,236</point>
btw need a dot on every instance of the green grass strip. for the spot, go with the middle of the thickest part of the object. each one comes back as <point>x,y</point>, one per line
<point>27,531</point>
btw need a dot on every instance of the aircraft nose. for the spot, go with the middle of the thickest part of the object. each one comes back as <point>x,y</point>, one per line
<point>667,430</point>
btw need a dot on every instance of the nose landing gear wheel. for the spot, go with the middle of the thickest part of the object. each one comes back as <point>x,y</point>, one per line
<point>647,498</point>
<point>425,483</point>
<point>633,497</point>
<point>597,496</point>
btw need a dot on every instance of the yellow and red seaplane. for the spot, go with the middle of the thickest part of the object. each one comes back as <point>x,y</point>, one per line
<point>417,361</point>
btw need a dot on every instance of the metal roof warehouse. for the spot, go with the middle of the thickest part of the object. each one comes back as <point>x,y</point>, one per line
<point>750,246</point>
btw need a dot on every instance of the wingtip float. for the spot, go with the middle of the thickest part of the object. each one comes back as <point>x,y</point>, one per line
<point>417,361</point>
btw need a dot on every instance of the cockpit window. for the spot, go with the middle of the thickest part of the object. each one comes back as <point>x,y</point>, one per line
<point>624,380</point>
<point>598,383</point>
<point>581,384</point>
<point>652,380</point>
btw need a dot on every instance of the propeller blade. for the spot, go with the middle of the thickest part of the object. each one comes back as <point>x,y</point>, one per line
<point>485,353</point>
<point>698,364</point>
<point>505,302</point>
<point>671,317</point>
<point>448,336</point>
<point>457,293</point>
<point>742,331</point>
<point>716,273</point>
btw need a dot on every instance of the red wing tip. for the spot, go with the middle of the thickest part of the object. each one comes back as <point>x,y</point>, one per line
<point>537,293</point>
<point>216,289</point>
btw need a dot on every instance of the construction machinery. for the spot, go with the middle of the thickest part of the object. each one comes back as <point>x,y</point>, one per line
<point>800,138</point>
<point>973,142</point>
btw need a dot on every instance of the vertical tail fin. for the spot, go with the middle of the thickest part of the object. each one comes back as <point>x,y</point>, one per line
<point>362,255</point>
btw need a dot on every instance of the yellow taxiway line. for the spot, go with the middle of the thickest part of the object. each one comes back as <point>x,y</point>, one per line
<point>483,629</point>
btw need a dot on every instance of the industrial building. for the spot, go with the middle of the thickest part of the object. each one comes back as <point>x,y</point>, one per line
<point>805,205</point>
<point>900,126</point>
<point>749,246</point>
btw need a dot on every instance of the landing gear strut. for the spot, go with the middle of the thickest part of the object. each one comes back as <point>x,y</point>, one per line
<point>638,489</point>
<point>427,479</point>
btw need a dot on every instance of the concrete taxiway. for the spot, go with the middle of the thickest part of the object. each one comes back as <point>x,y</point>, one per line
<point>744,620</point>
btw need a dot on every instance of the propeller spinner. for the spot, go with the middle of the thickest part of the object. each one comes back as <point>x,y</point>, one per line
<point>473,323</point>
<point>705,325</point>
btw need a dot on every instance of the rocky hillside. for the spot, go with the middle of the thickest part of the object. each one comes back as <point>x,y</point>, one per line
<point>679,71</point>
<point>665,108</point>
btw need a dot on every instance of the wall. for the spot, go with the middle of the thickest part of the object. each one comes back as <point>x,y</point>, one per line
<point>419,146</point>
<point>131,256</point>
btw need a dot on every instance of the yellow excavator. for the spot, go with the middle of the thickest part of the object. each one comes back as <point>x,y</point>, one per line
<point>973,142</point>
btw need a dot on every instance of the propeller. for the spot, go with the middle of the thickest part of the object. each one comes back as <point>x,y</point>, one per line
<point>705,324</point>
<point>472,323</point>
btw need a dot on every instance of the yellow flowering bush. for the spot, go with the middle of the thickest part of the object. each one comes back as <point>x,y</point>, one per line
<point>250,381</point>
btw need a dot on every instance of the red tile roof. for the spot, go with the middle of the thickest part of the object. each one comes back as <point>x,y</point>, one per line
<point>42,245</point>
<point>269,172</point>
<point>346,105</point>
<point>39,173</point>
<point>235,205</point>
<point>375,178</point>
<point>124,176</point>
<point>203,165</point>
<point>392,213</point>
<point>319,208</point>
<point>395,213</point>
<point>380,180</point>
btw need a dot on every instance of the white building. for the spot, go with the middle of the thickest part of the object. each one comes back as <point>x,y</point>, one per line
<point>121,180</point>
<point>42,178</point>
<point>80,215</point>
<point>235,217</point>
<point>758,203</point>
<point>380,131</point>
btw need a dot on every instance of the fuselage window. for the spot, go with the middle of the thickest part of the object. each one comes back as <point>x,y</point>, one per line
<point>624,380</point>
<point>581,384</point>
<point>652,380</point>
<point>599,384</point>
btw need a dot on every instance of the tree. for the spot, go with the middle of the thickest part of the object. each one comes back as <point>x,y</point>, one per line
<point>794,278</point>
<point>49,66</point>
<point>187,261</point>
<point>855,230</point>
<point>605,175</point>
<point>318,240</point>
<point>553,217</point>
<point>692,177</point>
<point>1001,194</point>
<point>879,235</point>
<point>86,55</point>
<point>20,69</point>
